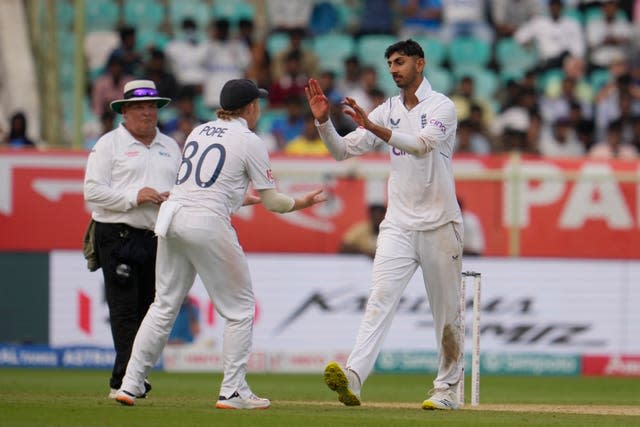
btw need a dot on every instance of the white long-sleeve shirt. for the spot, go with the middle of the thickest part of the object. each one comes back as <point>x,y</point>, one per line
<point>119,166</point>
<point>421,188</point>
<point>553,37</point>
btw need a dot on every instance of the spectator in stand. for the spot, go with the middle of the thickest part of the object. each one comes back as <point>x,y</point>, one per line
<point>612,147</point>
<point>517,127</point>
<point>17,137</point>
<point>635,136</point>
<point>360,93</point>
<point>108,86</point>
<point>420,17</point>
<point>377,17</point>
<point>156,70</point>
<point>608,36</point>
<point>463,97</point>
<point>350,81</point>
<point>308,59</point>
<point>615,102</point>
<point>555,37</point>
<point>292,83</point>
<point>186,54</point>
<point>260,68</point>
<point>361,237</point>
<point>308,143</point>
<point>473,243</point>
<point>560,140</point>
<point>95,130</point>
<point>287,15</point>
<point>327,81</point>
<point>557,105</point>
<point>129,56</point>
<point>464,18</point>
<point>509,15</point>
<point>468,140</point>
<point>292,124</point>
<point>225,59</point>
<point>185,117</point>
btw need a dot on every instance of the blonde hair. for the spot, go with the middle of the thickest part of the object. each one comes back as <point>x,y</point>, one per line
<point>230,114</point>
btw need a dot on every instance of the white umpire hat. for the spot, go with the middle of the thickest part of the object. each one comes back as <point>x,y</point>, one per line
<point>139,90</point>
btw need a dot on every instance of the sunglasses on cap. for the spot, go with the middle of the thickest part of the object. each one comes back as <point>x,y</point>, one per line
<point>141,92</point>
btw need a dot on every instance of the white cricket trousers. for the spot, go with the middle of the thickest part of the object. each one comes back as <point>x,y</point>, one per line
<point>202,243</point>
<point>399,253</point>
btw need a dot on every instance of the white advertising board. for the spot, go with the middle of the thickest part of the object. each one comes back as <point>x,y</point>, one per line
<point>312,304</point>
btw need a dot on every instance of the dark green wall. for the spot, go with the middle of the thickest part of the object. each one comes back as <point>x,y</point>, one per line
<point>24,297</point>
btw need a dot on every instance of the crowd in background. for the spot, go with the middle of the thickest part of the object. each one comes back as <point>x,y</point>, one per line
<point>580,97</point>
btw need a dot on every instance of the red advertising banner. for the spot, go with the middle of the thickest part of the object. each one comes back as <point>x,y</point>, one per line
<point>527,206</point>
<point>617,366</point>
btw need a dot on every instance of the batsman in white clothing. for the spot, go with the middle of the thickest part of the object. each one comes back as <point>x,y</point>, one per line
<point>423,224</point>
<point>195,235</point>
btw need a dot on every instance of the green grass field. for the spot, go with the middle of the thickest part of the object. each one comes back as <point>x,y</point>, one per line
<point>43,397</point>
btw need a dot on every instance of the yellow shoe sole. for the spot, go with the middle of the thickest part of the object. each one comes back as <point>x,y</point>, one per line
<point>336,380</point>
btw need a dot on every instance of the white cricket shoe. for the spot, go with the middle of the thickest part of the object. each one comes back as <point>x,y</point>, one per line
<point>236,402</point>
<point>442,399</point>
<point>336,379</point>
<point>125,398</point>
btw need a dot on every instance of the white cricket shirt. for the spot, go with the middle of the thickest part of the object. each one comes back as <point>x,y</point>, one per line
<point>221,157</point>
<point>421,189</point>
<point>119,166</point>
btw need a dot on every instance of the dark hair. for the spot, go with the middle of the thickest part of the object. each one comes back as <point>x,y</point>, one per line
<point>127,31</point>
<point>406,47</point>
<point>189,23</point>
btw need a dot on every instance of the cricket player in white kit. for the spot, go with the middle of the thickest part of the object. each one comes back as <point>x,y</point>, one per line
<point>195,235</point>
<point>423,224</point>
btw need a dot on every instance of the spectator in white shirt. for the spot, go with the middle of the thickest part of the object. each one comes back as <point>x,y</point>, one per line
<point>185,55</point>
<point>559,140</point>
<point>608,35</point>
<point>555,37</point>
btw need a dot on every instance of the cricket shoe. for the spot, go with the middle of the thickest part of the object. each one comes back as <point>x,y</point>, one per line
<point>236,402</point>
<point>442,399</point>
<point>125,398</point>
<point>336,379</point>
<point>147,388</point>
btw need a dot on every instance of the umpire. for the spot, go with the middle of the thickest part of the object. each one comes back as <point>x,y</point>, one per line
<point>129,174</point>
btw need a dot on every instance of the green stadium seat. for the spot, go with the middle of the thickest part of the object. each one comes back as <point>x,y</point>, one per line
<point>370,49</point>
<point>102,14</point>
<point>435,51</point>
<point>198,10</point>
<point>276,43</point>
<point>468,51</point>
<point>440,79</point>
<point>332,50</point>
<point>233,10</point>
<point>146,37</point>
<point>598,78</point>
<point>485,81</point>
<point>512,56</point>
<point>143,13</point>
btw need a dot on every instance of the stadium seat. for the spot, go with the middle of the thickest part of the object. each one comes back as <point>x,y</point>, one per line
<point>511,56</point>
<point>196,9</point>
<point>233,10</point>
<point>102,14</point>
<point>66,45</point>
<point>370,49</point>
<point>147,14</point>
<point>435,51</point>
<point>468,51</point>
<point>340,47</point>
<point>440,79</point>
<point>598,78</point>
<point>546,79</point>
<point>485,81</point>
<point>277,42</point>
<point>146,37</point>
<point>324,18</point>
<point>268,116</point>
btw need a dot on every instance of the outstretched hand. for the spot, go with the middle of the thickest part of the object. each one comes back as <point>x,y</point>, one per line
<point>318,102</point>
<point>356,113</point>
<point>312,198</point>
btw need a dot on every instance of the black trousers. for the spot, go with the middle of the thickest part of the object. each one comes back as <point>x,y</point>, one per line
<point>128,258</point>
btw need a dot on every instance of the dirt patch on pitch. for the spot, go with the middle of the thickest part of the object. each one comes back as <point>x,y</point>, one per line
<point>534,408</point>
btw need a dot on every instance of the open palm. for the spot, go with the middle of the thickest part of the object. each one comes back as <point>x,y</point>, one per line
<point>318,102</point>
